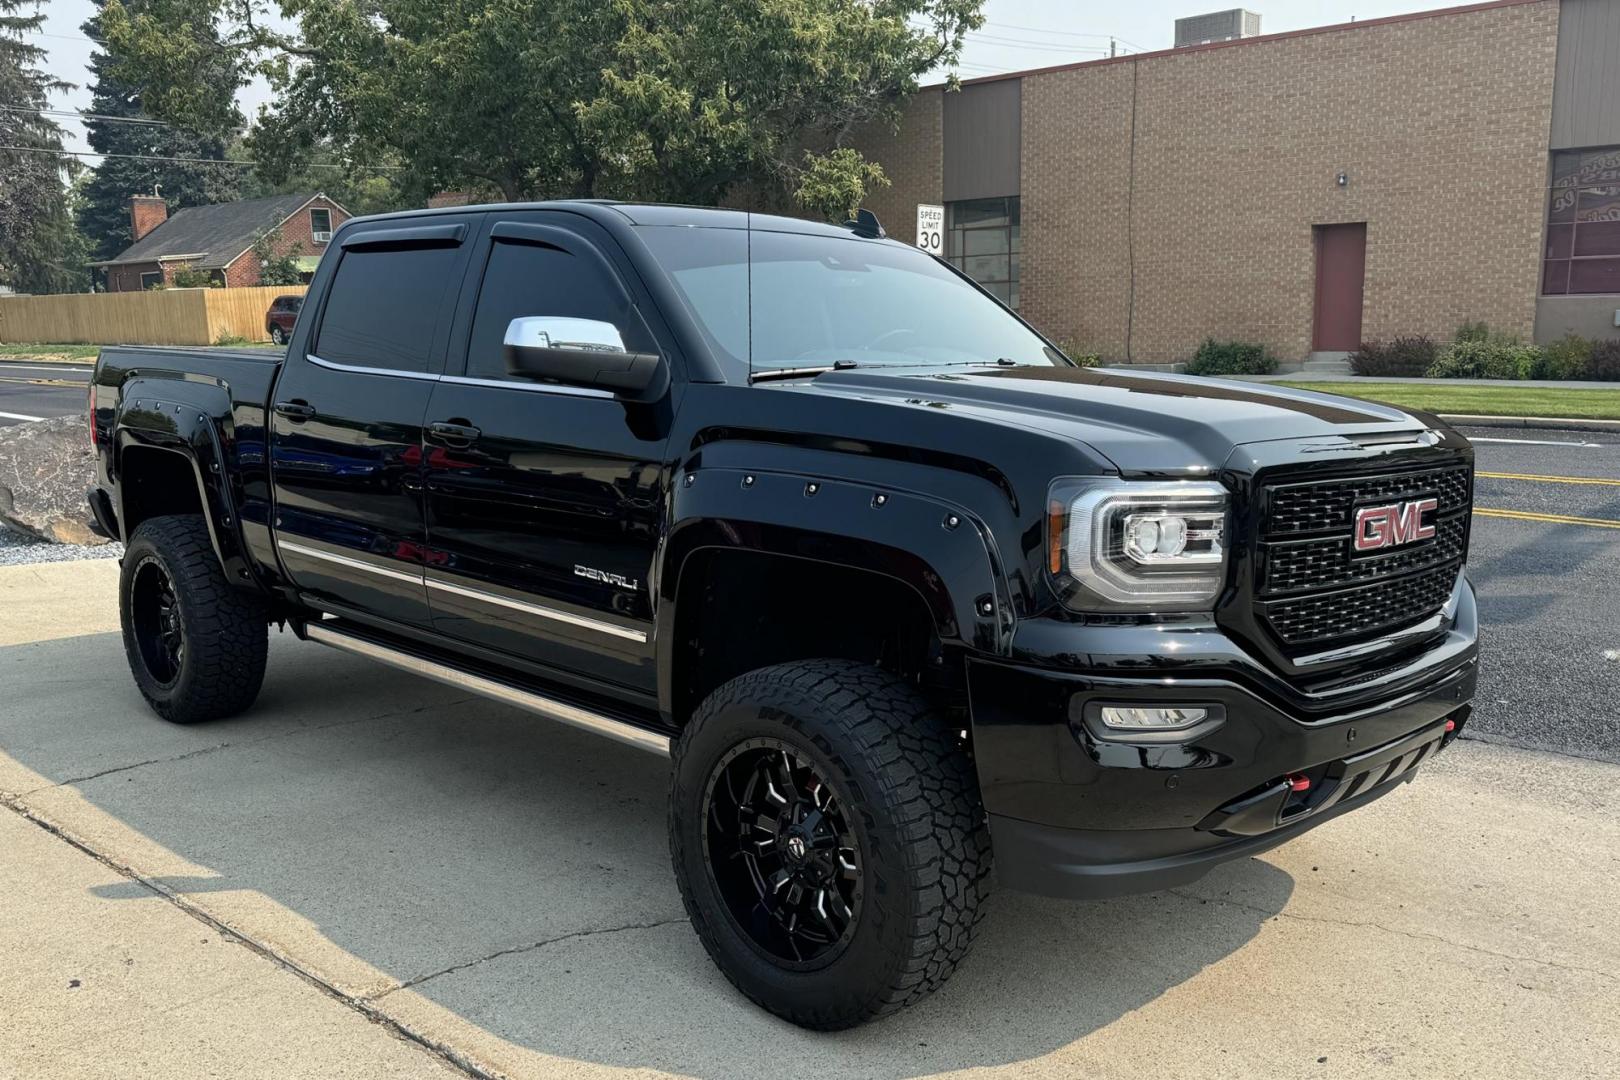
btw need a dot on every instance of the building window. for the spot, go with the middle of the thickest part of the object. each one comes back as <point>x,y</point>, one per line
<point>1583,223</point>
<point>320,225</point>
<point>982,240</point>
<point>152,280</point>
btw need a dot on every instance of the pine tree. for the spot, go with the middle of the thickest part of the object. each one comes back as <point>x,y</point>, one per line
<point>37,248</point>
<point>104,218</point>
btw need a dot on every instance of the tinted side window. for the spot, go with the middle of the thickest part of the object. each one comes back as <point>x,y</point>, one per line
<point>383,308</point>
<point>525,279</point>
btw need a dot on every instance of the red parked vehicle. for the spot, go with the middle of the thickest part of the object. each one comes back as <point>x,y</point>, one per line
<point>281,317</point>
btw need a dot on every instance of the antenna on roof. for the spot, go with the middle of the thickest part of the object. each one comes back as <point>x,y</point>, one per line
<point>866,224</point>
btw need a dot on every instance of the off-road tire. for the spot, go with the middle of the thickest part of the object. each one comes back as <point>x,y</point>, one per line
<point>916,812</point>
<point>225,629</point>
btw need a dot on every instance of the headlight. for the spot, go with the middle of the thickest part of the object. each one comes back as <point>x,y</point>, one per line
<point>1151,546</point>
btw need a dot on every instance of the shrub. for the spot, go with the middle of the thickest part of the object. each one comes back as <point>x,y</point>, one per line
<point>1231,358</point>
<point>1472,331</point>
<point>1403,357</point>
<point>1474,359</point>
<point>1082,356</point>
<point>190,277</point>
<point>1566,358</point>
<point>1604,363</point>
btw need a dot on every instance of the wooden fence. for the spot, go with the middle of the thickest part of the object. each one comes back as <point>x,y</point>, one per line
<point>155,317</point>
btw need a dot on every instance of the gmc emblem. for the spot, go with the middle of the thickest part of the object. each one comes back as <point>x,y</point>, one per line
<point>1379,527</point>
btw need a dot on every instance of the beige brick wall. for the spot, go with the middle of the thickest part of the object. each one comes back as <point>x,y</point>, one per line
<point>1441,123</point>
<point>914,161</point>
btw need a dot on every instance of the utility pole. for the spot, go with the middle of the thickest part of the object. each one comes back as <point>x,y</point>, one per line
<point>1113,48</point>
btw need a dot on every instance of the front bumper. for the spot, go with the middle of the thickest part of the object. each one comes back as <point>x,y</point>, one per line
<point>1076,815</point>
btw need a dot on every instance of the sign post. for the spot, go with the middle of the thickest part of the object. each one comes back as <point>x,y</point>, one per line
<point>931,228</point>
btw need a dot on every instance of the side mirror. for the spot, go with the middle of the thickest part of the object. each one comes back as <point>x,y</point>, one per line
<point>582,352</point>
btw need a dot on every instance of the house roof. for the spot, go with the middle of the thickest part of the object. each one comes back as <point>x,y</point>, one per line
<point>211,237</point>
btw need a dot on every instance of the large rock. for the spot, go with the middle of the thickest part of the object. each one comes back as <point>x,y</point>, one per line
<point>45,468</point>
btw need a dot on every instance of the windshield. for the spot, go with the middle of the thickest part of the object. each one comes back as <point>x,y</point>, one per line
<point>773,301</point>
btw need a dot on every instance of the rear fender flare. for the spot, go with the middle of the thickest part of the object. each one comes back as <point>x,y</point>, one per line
<point>153,415</point>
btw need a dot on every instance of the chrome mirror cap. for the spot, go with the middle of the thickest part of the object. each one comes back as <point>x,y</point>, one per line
<point>557,332</point>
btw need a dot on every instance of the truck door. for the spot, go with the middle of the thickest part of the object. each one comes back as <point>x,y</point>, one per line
<point>543,501</point>
<point>346,426</point>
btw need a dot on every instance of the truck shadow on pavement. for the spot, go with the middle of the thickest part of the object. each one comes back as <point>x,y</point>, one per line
<point>504,883</point>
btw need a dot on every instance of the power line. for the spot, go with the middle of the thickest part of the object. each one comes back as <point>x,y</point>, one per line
<point>1069,33</point>
<point>189,160</point>
<point>81,115</point>
<point>1019,43</point>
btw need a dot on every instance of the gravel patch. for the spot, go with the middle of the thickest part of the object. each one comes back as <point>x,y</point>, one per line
<point>17,549</point>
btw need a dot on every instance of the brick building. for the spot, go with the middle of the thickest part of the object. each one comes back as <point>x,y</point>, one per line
<point>219,239</point>
<point>1308,190</point>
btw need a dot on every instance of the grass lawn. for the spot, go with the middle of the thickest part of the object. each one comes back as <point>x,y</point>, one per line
<point>86,354</point>
<point>65,354</point>
<point>1504,400</point>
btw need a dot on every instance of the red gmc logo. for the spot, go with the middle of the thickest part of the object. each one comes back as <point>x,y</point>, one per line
<point>1379,527</point>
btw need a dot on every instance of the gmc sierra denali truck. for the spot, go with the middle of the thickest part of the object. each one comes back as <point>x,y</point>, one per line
<point>899,589</point>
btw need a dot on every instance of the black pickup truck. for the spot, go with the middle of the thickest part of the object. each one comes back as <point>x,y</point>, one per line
<point>912,601</point>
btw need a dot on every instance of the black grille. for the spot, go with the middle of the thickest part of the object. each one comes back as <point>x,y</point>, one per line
<point>1362,610</point>
<point>1306,565</point>
<point>1312,590</point>
<point>1327,505</point>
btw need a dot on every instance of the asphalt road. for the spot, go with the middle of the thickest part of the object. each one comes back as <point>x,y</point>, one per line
<point>36,391</point>
<point>1545,559</point>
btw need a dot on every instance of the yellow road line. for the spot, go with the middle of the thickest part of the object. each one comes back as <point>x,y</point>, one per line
<point>1550,479</point>
<point>1555,519</point>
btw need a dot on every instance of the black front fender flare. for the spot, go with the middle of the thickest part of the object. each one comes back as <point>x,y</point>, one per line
<point>941,551</point>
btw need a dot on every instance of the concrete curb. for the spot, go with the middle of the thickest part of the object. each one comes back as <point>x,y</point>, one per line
<point>1540,423</point>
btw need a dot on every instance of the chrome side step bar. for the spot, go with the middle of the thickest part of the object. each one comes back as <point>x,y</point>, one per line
<point>572,715</point>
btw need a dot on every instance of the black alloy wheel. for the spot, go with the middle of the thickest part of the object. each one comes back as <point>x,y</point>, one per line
<point>783,854</point>
<point>829,840</point>
<point>196,644</point>
<point>159,632</point>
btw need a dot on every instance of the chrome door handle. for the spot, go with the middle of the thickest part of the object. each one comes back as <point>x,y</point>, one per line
<point>295,410</point>
<point>453,434</point>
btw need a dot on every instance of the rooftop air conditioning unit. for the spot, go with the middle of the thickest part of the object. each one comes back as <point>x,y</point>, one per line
<point>1217,26</point>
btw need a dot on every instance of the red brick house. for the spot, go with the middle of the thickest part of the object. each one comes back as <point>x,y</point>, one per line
<point>219,239</point>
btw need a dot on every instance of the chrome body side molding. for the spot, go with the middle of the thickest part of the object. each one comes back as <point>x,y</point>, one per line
<point>562,711</point>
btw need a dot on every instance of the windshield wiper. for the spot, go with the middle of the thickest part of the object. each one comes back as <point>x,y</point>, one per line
<point>765,374</point>
<point>852,365</point>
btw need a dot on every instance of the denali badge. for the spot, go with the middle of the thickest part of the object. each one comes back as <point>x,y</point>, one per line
<point>623,582</point>
<point>1398,523</point>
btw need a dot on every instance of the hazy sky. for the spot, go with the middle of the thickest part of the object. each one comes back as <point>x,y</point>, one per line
<point>1017,34</point>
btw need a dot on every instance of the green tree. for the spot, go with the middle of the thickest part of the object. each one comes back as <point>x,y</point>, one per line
<point>105,217</point>
<point>275,267</point>
<point>359,189</point>
<point>37,246</point>
<point>683,100</point>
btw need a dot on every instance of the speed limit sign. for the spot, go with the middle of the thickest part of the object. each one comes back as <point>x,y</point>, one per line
<point>931,228</point>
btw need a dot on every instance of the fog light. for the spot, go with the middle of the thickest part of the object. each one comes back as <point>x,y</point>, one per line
<point>1133,718</point>
<point>1162,725</point>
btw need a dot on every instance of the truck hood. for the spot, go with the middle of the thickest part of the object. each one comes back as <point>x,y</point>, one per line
<point>1144,422</point>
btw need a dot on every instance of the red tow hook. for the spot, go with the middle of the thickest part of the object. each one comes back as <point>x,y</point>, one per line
<point>1451,725</point>
<point>1299,782</point>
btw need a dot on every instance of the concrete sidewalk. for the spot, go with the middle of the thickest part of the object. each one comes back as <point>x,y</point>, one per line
<point>401,863</point>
